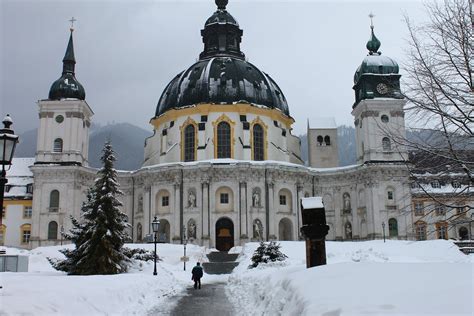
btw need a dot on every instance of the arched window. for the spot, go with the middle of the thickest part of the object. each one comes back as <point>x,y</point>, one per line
<point>392,227</point>
<point>190,143</point>
<point>224,141</point>
<point>52,230</point>
<point>327,140</point>
<point>58,145</point>
<point>54,201</point>
<point>386,145</point>
<point>319,139</point>
<point>258,139</point>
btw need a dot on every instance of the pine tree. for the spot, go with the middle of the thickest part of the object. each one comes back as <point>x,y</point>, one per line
<point>267,253</point>
<point>99,239</point>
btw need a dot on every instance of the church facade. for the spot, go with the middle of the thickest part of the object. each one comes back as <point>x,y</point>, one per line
<point>222,167</point>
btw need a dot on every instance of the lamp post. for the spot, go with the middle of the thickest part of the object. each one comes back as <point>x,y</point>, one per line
<point>8,141</point>
<point>155,226</point>
<point>185,242</point>
<point>383,229</point>
<point>62,233</point>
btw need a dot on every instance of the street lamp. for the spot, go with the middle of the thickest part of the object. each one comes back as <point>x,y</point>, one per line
<point>185,242</point>
<point>383,229</point>
<point>8,141</point>
<point>155,226</point>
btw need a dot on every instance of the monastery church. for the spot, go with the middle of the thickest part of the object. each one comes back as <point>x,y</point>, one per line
<point>222,167</point>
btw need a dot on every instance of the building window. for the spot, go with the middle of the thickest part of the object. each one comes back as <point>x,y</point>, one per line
<point>29,188</point>
<point>52,230</point>
<point>327,140</point>
<point>435,184</point>
<point>392,227</point>
<point>442,230</point>
<point>258,142</point>
<point>319,139</point>
<point>386,145</point>
<point>420,231</point>
<point>415,185</point>
<point>4,212</point>
<point>224,141</point>
<point>456,184</point>
<point>390,195</point>
<point>224,198</point>
<point>418,207</point>
<point>2,235</point>
<point>282,199</point>
<point>384,118</point>
<point>58,145</point>
<point>54,201</point>
<point>189,143</point>
<point>27,212</point>
<point>25,233</point>
<point>165,200</point>
<point>440,210</point>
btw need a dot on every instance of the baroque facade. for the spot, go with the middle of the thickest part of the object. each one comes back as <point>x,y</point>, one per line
<point>222,167</point>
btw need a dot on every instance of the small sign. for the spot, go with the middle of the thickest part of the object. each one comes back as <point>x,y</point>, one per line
<point>184,258</point>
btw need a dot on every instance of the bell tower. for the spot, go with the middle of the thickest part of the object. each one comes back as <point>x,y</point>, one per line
<point>63,133</point>
<point>378,109</point>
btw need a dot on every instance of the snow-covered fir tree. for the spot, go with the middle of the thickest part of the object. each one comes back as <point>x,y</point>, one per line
<point>267,253</point>
<point>100,236</point>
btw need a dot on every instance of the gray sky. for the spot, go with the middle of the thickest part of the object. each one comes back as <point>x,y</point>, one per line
<point>127,51</point>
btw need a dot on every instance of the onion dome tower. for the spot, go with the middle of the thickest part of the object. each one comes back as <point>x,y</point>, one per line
<point>67,86</point>
<point>222,75</point>
<point>63,133</point>
<point>378,108</point>
<point>377,76</point>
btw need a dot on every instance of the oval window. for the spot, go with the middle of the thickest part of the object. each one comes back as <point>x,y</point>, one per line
<point>384,118</point>
<point>59,119</point>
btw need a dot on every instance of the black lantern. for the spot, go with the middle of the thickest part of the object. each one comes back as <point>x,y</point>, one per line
<point>8,142</point>
<point>155,226</point>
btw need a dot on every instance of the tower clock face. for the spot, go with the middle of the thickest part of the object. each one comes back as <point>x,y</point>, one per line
<point>382,88</point>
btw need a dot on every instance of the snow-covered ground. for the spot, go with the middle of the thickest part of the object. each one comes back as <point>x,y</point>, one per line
<point>361,278</point>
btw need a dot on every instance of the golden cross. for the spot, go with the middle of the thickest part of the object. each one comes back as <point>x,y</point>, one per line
<point>72,20</point>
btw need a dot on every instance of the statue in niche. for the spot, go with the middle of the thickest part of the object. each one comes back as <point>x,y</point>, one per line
<point>348,230</point>
<point>191,229</point>
<point>191,199</point>
<point>346,202</point>
<point>257,229</point>
<point>256,198</point>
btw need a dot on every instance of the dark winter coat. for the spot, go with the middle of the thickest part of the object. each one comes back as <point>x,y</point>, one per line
<point>197,272</point>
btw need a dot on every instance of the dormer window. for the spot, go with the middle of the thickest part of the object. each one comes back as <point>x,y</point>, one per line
<point>435,184</point>
<point>29,188</point>
<point>7,188</point>
<point>456,184</point>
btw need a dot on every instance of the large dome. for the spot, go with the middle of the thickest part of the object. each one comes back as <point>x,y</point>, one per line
<point>222,75</point>
<point>222,80</point>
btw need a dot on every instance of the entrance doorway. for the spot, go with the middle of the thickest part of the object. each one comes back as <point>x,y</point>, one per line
<point>224,234</point>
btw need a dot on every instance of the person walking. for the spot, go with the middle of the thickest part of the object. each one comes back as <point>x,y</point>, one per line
<point>197,275</point>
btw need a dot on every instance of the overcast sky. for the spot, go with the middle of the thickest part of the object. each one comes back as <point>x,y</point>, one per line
<point>127,51</point>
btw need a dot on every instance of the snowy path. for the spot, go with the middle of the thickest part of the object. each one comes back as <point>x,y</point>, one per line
<point>210,300</point>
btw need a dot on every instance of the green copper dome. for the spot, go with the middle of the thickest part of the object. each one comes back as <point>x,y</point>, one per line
<point>67,86</point>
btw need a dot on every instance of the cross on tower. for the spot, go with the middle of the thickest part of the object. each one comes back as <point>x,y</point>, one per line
<point>72,20</point>
<point>371,16</point>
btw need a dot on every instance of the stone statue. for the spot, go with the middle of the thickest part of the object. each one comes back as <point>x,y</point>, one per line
<point>257,229</point>
<point>347,202</point>
<point>191,229</point>
<point>191,199</point>
<point>255,199</point>
<point>348,229</point>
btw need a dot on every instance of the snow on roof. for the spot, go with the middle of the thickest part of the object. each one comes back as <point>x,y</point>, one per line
<point>322,122</point>
<point>19,176</point>
<point>312,202</point>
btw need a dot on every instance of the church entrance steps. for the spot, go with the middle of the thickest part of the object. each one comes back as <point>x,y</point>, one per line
<point>220,262</point>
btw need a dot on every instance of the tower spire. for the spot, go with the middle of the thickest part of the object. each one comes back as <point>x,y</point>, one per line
<point>373,44</point>
<point>69,61</point>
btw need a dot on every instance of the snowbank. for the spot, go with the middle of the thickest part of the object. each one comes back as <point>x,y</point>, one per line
<point>45,291</point>
<point>395,278</point>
